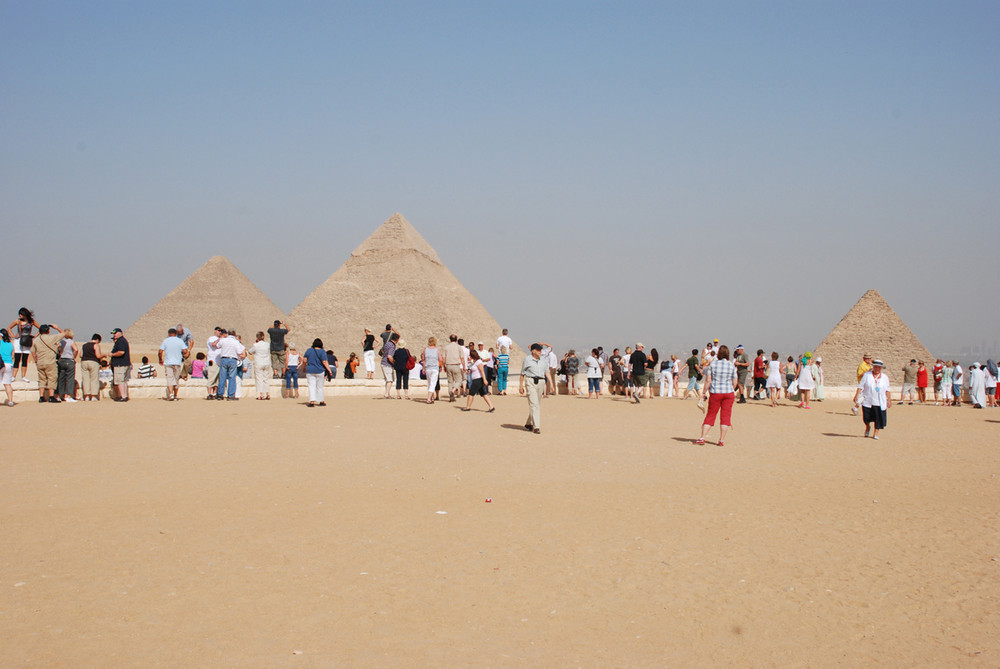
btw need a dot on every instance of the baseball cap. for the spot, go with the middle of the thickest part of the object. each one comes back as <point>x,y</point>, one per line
<point>116,331</point>
<point>739,346</point>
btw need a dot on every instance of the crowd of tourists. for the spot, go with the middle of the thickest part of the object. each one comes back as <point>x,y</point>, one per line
<point>715,376</point>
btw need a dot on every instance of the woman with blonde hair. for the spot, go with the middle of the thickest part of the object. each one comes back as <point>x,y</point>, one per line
<point>431,361</point>
<point>291,372</point>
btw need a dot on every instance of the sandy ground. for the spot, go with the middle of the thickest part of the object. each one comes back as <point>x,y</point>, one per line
<point>266,534</point>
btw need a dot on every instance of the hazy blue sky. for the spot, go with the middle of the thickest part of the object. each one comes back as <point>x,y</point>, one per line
<point>592,172</point>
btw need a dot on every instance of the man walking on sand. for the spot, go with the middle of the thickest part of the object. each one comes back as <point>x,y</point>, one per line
<point>759,374</point>
<point>535,378</point>
<point>454,366</point>
<point>638,364</point>
<point>742,363</point>
<point>172,352</point>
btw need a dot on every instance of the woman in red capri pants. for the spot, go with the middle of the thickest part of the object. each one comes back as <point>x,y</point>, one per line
<point>720,384</point>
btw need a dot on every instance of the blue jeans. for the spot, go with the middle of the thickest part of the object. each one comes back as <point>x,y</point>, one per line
<point>227,376</point>
<point>501,379</point>
<point>292,377</point>
<point>593,385</point>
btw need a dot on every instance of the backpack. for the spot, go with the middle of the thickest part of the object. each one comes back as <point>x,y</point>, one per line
<point>992,367</point>
<point>411,362</point>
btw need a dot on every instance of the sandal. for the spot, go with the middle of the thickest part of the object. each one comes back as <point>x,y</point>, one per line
<point>722,443</point>
<point>700,442</point>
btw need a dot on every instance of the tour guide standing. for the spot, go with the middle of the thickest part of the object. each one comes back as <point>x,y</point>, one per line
<point>535,373</point>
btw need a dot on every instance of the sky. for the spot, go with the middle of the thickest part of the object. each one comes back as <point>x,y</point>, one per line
<point>593,172</point>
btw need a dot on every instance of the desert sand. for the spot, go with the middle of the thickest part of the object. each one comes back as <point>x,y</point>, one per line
<point>265,534</point>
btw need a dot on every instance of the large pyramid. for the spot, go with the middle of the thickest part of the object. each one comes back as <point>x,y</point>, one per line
<point>216,294</point>
<point>393,277</point>
<point>870,326</point>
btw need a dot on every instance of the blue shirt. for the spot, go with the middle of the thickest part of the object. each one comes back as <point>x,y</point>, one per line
<point>7,352</point>
<point>173,351</point>
<point>315,357</point>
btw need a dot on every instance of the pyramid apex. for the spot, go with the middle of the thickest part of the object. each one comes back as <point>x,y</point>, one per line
<point>396,234</point>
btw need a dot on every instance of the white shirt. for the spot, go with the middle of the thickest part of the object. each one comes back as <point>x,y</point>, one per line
<point>486,357</point>
<point>230,347</point>
<point>504,340</point>
<point>873,391</point>
<point>213,353</point>
<point>593,367</point>
<point>553,360</point>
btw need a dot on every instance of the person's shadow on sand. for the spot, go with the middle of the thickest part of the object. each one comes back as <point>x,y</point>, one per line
<point>511,426</point>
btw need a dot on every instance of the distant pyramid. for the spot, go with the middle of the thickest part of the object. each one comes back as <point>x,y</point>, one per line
<point>216,294</point>
<point>393,277</point>
<point>870,326</point>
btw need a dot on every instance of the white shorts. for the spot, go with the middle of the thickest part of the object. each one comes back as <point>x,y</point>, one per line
<point>6,375</point>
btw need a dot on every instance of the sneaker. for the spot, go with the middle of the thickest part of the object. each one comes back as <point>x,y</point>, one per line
<point>854,411</point>
<point>69,399</point>
<point>875,437</point>
<point>41,400</point>
<point>10,404</point>
<point>55,400</point>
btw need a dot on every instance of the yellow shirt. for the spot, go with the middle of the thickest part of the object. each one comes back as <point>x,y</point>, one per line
<point>862,368</point>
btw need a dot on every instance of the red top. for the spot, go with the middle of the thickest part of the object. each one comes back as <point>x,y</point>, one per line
<point>922,378</point>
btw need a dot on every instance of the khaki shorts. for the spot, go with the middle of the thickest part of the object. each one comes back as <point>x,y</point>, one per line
<point>212,373</point>
<point>122,374</point>
<point>173,373</point>
<point>47,376</point>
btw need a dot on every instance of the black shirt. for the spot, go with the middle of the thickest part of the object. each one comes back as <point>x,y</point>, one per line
<point>121,344</point>
<point>638,362</point>
<point>369,343</point>
<point>277,339</point>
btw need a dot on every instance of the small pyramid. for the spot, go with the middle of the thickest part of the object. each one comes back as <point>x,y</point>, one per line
<point>393,277</point>
<point>871,326</point>
<point>216,294</point>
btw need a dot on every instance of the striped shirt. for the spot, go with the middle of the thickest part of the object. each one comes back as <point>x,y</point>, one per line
<point>723,374</point>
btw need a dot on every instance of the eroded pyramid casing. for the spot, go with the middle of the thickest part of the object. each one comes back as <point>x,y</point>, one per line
<point>394,277</point>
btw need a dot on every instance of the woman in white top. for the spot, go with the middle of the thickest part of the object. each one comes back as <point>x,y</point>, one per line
<point>874,393</point>
<point>292,373</point>
<point>261,352</point>
<point>594,374</point>
<point>477,382</point>
<point>774,378</point>
<point>431,361</point>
